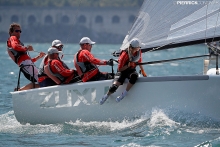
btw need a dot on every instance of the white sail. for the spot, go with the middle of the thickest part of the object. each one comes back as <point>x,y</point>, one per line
<point>161,23</point>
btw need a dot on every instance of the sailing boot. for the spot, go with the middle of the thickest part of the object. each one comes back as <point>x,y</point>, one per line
<point>119,98</point>
<point>103,99</point>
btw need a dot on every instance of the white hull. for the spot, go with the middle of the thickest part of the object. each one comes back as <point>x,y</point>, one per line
<point>59,104</point>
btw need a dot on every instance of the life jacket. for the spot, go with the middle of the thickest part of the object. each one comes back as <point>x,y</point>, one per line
<point>42,64</point>
<point>133,58</point>
<point>15,55</point>
<point>56,77</point>
<point>41,67</point>
<point>83,67</point>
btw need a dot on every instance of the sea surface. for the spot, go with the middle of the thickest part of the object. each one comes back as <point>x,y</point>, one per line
<point>161,129</point>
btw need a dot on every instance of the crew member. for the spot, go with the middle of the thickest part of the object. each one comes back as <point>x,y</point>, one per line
<point>19,54</point>
<point>57,70</point>
<point>85,62</point>
<point>126,69</point>
<point>43,79</point>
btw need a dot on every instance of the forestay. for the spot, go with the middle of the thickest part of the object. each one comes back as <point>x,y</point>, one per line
<point>172,23</point>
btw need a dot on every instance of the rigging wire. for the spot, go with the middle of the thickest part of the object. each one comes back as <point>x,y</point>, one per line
<point>216,25</point>
<point>206,21</point>
<point>74,21</point>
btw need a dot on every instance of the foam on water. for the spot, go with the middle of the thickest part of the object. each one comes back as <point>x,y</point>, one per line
<point>158,119</point>
<point>9,124</point>
<point>156,124</point>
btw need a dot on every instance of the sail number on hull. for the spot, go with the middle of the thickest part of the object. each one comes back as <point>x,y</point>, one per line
<point>70,98</point>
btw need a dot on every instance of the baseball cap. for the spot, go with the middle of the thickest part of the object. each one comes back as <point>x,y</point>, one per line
<point>86,40</point>
<point>135,43</point>
<point>52,50</point>
<point>56,43</point>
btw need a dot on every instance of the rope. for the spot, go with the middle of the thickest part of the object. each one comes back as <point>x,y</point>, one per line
<point>93,54</point>
<point>36,51</point>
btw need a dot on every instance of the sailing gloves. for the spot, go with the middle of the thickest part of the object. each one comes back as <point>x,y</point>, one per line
<point>110,62</point>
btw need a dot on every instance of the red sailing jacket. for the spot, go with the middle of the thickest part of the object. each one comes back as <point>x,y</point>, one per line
<point>60,74</point>
<point>124,59</point>
<point>56,66</point>
<point>85,57</point>
<point>14,43</point>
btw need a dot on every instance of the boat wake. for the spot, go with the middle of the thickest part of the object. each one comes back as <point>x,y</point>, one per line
<point>158,121</point>
<point>154,125</point>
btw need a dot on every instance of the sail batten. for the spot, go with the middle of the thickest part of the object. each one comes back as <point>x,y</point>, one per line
<point>170,24</point>
<point>175,45</point>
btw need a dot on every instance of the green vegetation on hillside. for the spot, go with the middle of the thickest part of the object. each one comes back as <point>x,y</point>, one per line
<point>73,3</point>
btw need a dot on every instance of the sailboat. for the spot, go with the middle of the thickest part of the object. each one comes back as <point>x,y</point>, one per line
<point>160,25</point>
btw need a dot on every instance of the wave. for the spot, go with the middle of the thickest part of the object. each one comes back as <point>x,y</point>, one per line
<point>158,127</point>
<point>158,120</point>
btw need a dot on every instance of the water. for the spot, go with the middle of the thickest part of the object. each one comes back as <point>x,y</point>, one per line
<point>159,128</point>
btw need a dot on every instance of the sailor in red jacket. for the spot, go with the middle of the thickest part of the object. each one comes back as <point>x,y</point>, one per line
<point>126,69</point>
<point>19,54</point>
<point>58,71</point>
<point>85,62</point>
<point>43,79</point>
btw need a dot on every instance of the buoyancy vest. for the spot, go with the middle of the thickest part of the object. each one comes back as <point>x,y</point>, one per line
<point>56,77</point>
<point>15,55</point>
<point>41,67</point>
<point>82,67</point>
<point>42,64</point>
<point>133,58</point>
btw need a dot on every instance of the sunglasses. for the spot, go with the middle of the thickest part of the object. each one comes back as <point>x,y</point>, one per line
<point>18,31</point>
<point>60,47</point>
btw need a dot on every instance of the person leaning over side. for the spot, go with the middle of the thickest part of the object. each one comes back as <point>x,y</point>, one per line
<point>126,69</point>
<point>57,70</point>
<point>18,53</point>
<point>43,79</point>
<point>85,62</point>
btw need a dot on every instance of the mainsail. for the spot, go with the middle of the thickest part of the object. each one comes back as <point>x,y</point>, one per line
<point>170,23</point>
